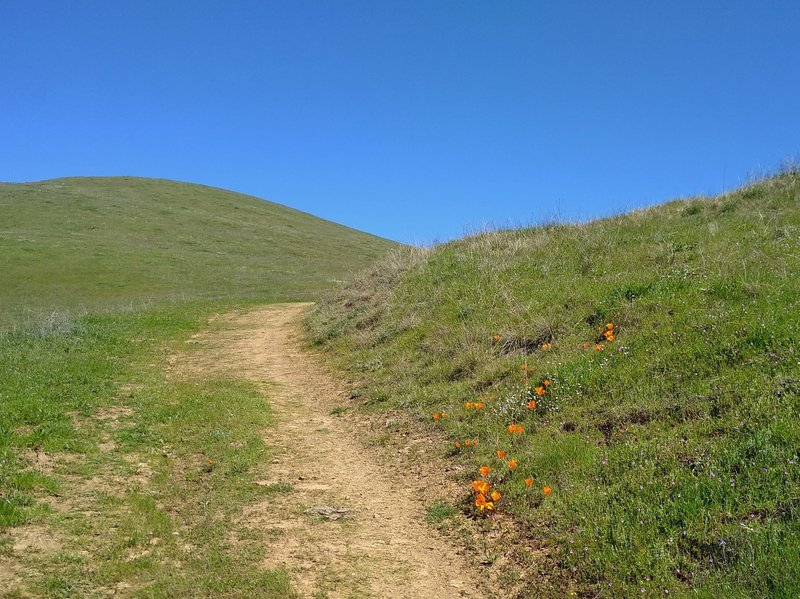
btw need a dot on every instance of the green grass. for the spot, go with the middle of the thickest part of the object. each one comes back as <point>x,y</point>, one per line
<point>673,452</point>
<point>159,511</point>
<point>439,512</point>
<point>98,243</point>
<point>131,481</point>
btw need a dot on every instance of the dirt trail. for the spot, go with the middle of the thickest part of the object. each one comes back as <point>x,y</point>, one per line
<point>381,547</point>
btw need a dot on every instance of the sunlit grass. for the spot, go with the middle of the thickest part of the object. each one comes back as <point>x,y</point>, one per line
<point>663,456</point>
<point>93,244</point>
<point>147,475</point>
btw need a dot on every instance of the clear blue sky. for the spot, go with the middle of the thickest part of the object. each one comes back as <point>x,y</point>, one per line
<point>413,120</point>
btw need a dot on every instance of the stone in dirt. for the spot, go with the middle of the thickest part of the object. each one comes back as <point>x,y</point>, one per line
<point>330,512</point>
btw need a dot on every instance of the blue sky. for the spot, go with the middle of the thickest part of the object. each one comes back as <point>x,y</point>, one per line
<point>418,121</point>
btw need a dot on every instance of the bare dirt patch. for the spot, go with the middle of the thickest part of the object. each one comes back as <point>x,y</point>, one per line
<point>34,539</point>
<point>383,547</point>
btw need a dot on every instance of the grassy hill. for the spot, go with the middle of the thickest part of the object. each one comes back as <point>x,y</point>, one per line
<point>100,242</point>
<point>103,451</point>
<point>669,434</point>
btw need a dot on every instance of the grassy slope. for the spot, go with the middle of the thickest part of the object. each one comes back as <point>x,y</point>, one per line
<point>88,243</point>
<point>114,477</point>
<point>672,452</point>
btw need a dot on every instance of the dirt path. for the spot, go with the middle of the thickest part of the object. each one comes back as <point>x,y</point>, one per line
<point>381,547</point>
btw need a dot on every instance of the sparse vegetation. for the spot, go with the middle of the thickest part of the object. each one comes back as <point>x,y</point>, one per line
<point>663,456</point>
<point>129,481</point>
<point>439,512</point>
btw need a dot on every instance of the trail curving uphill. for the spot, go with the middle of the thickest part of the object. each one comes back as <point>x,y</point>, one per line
<point>345,527</point>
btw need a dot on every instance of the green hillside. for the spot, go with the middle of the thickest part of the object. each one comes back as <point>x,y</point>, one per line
<point>100,242</point>
<point>103,450</point>
<point>672,449</point>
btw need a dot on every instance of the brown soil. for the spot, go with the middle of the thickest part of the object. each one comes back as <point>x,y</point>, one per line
<point>350,526</point>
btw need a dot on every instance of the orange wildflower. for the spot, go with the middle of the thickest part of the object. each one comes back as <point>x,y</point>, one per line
<point>524,367</point>
<point>546,346</point>
<point>436,416</point>
<point>496,337</point>
<point>444,414</point>
<point>610,326</point>
<point>610,338</point>
<point>540,390</point>
<point>547,382</point>
<point>585,345</point>
<point>495,496</point>
<point>532,404</point>
<point>481,486</point>
<point>469,405</point>
<point>484,470</point>
<point>467,442</point>
<point>547,491</point>
<point>598,347</point>
<point>482,504</point>
<point>515,428</point>
<point>474,442</point>
<point>501,454</point>
<point>458,444</point>
<point>479,405</point>
<point>528,482</point>
<point>512,464</point>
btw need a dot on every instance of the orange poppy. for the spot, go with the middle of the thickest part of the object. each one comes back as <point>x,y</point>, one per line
<point>515,428</point>
<point>598,347</point>
<point>546,346</point>
<point>610,338</point>
<point>479,405</point>
<point>495,496</point>
<point>547,491</point>
<point>484,470</point>
<point>480,486</point>
<point>524,367</point>
<point>436,416</point>
<point>532,404</point>
<point>469,405</point>
<point>458,444</point>
<point>547,382</point>
<point>501,454</point>
<point>496,337</point>
<point>528,482</point>
<point>610,326</point>
<point>512,464</point>
<point>482,504</point>
<point>539,391</point>
<point>474,442</point>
